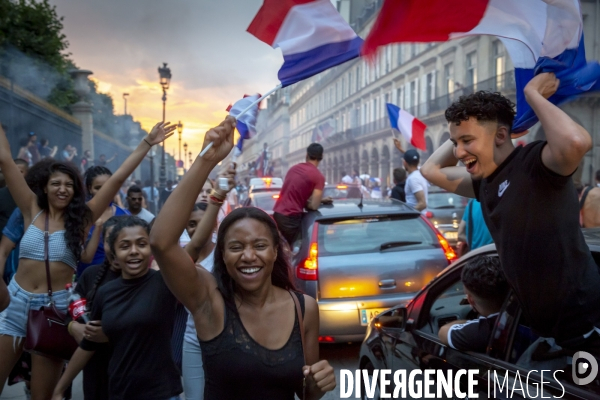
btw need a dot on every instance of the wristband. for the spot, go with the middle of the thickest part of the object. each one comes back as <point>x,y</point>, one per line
<point>148,143</point>
<point>213,200</point>
<point>219,196</point>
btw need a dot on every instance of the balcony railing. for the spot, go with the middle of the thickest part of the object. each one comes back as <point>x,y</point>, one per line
<point>504,83</point>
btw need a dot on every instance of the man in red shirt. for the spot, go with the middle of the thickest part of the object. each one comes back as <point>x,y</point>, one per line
<point>302,188</point>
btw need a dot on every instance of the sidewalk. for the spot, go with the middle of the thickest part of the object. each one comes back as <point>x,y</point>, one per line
<point>17,392</point>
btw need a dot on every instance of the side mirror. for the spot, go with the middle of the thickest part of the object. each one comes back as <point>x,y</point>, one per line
<point>392,319</point>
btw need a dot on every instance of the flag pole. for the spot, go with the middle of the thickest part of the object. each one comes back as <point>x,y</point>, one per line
<point>255,102</point>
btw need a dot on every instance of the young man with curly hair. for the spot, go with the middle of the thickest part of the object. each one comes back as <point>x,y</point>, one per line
<point>486,289</point>
<point>530,206</point>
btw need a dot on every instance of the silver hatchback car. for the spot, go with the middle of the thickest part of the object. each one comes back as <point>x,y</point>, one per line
<point>358,259</point>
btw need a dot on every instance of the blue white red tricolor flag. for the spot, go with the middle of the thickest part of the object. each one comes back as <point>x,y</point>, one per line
<point>540,36</point>
<point>246,124</point>
<point>311,34</point>
<point>410,127</point>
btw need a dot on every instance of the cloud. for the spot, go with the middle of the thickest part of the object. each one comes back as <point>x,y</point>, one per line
<point>213,60</point>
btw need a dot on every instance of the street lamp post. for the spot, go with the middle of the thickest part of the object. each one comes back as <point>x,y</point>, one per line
<point>180,130</point>
<point>165,79</point>
<point>190,154</point>
<point>125,101</point>
<point>184,153</point>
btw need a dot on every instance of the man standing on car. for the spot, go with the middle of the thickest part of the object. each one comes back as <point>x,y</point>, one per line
<point>530,206</point>
<point>416,185</point>
<point>302,188</point>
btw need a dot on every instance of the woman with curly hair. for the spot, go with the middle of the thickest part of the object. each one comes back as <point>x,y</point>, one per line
<point>58,203</point>
<point>255,343</point>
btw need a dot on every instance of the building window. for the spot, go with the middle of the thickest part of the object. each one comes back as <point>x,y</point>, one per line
<point>350,83</point>
<point>375,109</point>
<point>357,79</point>
<point>413,95</point>
<point>499,63</point>
<point>449,78</point>
<point>471,69</point>
<point>430,92</point>
<point>399,54</point>
<point>388,59</point>
<point>413,50</point>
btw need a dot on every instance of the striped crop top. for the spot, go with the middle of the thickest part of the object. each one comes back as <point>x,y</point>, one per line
<point>32,246</point>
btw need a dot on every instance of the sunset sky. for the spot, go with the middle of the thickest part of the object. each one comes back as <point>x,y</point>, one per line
<point>213,60</point>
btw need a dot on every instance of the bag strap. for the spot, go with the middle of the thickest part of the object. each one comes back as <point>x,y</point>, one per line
<point>586,191</point>
<point>300,321</point>
<point>301,324</point>
<point>46,258</point>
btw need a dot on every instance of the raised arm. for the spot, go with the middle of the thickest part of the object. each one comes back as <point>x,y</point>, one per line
<point>23,196</point>
<point>567,140</point>
<point>102,199</point>
<point>205,228</point>
<point>87,255</point>
<point>441,170</point>
<point>176,266</point>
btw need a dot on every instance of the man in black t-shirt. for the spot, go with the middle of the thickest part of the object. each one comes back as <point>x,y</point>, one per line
<point>486,289</point>
<point>398,192</point>
<point>530,206</point>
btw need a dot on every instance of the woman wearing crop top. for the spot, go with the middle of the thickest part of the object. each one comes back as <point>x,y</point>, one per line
<point>94,178</point>
<point>236,308</point>
<point>60,198</point>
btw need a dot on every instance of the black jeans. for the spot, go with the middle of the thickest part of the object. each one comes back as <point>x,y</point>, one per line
<point>289,226</point>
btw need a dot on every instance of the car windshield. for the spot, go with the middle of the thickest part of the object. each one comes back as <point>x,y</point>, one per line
<point>265,203</point>
<point>440,200</point>
<point>377,234</point>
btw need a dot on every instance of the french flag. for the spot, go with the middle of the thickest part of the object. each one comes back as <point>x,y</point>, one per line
<point>311,34</point>
<point>246,124</point>
<point>540,36</point>
<point>410,127</point>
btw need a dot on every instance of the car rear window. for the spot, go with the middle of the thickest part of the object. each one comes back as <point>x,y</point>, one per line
<point>265,202</point>
<point>445,200</point>
<point>367,235</point>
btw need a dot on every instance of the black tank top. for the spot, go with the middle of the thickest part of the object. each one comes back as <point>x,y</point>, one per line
<point>236,367</point>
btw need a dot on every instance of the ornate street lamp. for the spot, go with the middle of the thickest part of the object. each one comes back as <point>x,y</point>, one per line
<point>180,130</point>
<point>165,79</point>
<point>190,154</point>
<point>184,153</point>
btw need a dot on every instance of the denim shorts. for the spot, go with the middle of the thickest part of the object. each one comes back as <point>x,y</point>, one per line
<point>13,320</point>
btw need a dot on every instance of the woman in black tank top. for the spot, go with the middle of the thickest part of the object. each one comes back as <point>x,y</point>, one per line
<point>244,312</point>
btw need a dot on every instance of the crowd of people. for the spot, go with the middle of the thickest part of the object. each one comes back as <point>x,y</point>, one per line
<point>204,292</point>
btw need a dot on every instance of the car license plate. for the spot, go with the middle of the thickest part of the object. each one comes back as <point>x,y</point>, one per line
<point>366,315</point>
<point>451,235</point>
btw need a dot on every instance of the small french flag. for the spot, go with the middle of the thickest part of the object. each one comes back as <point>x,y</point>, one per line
<point>410,127</point>
<point>312,36</point>
<point>246,124</point>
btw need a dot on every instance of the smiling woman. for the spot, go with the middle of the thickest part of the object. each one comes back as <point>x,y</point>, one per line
<point>137,314</point>
<point>259,338</point>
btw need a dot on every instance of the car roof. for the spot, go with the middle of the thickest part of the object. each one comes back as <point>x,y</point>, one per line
<point>350,208</point>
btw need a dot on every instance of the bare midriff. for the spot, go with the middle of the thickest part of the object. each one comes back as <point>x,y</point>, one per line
<point>31,275</point>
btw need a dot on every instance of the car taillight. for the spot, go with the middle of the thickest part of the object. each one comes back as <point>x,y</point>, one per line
<point>275,196</point>
<point>309,267</point>
<point>448,250</point>
<point>429,214</point>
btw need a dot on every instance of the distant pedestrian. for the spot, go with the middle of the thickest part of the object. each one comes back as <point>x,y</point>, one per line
<point>69,153</point>
<point>134,204</point>
<point>346,178</point>
<point>46,151</point>
<point>24,153</point>
<point>33,148</point>
<point>416,187</point>
<point>399,182</point>
<point>166,192</point>
<point>86,161</point>
<point>302,188</point>
<point>102,161</point>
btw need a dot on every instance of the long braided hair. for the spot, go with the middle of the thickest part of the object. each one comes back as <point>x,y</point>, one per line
<point>112,221</point>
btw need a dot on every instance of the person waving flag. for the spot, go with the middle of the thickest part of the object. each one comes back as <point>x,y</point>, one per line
<point>246,123</point>
<point>410,127</point>
<point>540,36</point>
<point>311,34</point>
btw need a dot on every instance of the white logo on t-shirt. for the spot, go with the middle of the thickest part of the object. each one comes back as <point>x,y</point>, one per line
<point>502,188</point>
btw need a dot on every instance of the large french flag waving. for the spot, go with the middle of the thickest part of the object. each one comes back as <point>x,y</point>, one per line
<point>410,127</point>
<point>540,36</point>
<point>312,36</point>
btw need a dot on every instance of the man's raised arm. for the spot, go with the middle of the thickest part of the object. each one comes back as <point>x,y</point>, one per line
<point>441,170</point>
